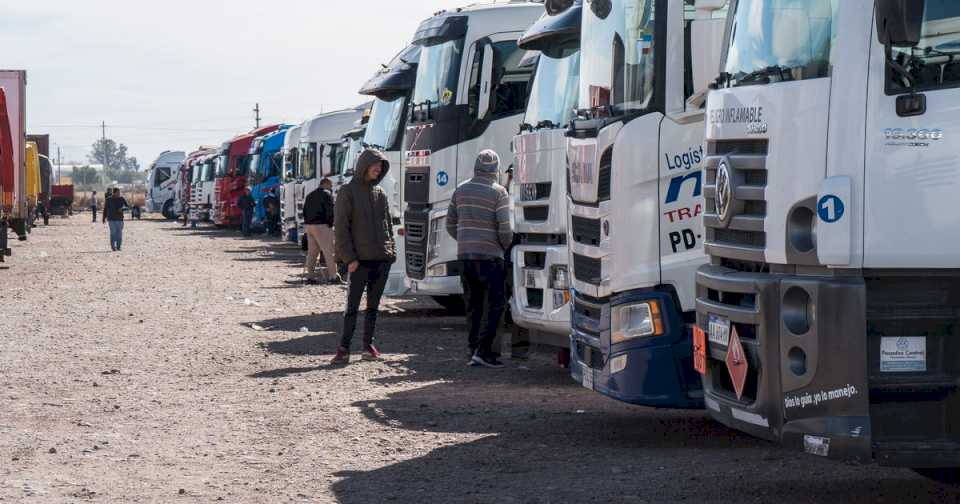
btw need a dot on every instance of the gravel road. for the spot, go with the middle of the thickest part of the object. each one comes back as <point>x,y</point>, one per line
<point>193,367</point>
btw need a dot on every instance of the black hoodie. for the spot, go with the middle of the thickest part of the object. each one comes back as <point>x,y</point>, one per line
<point>364,227</point>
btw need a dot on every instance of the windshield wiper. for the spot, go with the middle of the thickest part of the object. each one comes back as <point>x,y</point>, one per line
<point>548,124</point>
<point>774,73</point>
<point>526,127</point>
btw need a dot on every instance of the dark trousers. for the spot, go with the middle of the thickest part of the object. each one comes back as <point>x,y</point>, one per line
<point>372,277</point>
<point>94,210</point>
<point>246,221</point>
<point>484,296</point>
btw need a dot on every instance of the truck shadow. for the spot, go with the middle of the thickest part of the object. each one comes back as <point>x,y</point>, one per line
<point>528,434</point>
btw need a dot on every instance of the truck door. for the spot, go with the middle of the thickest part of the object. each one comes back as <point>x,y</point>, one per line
<point>912,172</point>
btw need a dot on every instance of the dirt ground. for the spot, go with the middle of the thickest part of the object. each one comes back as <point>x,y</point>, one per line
<point>193,367</point>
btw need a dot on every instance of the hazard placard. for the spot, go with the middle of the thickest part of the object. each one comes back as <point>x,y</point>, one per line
<point>699,350</point>
<point>737,363</point>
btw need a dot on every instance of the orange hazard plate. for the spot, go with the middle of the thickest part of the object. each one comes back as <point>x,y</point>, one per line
<point>699,350</point>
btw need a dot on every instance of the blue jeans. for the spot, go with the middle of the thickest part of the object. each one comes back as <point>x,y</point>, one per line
<point>116,234</point>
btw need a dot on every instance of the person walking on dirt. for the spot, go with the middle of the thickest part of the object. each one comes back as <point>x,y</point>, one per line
<point>318,219</point>
<point>364,242</point>
<point>246,203</point>
<point>113,216</point>
<point>93,205</point>
<point>479,220</point>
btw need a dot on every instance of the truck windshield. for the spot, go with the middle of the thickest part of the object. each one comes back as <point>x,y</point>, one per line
<point>221,166</point>
<point>291,161</point>
<point>555,88</point>
<point>384,122</point>
<point>308,165</point>
<point>438,73</point>
<point>780,40</point>
<point>209,170</point>
<point>617,42</point>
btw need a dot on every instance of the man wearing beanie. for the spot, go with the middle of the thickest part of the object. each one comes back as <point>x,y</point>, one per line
<point>364,242</point>
<point>479,219</point>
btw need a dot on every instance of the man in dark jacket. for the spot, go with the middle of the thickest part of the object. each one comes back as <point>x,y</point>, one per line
<point>246,204</point>
<point>318,212</point>
<point>113,215</point>
<point>364,242</point>
<point>479,219</point>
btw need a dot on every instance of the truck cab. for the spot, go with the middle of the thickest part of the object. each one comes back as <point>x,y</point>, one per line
<point>231,176</point>
<point>263,176</point>
<point>291,170</point>
<point>162,183</point>
<point>541,281</point>
<point>204,178</point>
<point>391,88</point>
<point>320,144</point>
<point>634,164</point>
<point>830,307</point>
<point>470,94</point>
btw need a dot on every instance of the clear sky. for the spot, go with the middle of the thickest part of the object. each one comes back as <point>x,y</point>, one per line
<point>174,74</point>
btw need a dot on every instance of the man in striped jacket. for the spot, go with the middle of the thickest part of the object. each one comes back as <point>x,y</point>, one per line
<point>479,219</point>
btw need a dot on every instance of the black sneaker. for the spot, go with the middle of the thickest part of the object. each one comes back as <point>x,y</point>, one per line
<point>312,281</point>
<point>489,361</point>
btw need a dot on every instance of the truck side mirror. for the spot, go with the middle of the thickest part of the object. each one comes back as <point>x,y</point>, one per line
<point>899,22</point>
<point>486,83</point>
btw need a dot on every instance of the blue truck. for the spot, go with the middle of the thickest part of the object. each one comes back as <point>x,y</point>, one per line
<point>264,175</point>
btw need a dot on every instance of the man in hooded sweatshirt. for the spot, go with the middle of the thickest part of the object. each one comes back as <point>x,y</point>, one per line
<point>363,230</point>
<point>479,219</point>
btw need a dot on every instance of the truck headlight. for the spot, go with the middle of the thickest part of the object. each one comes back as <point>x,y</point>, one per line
<point>559,277</point>
<point>437,226</point>
<point>637,320</point>
<point>439,270</point>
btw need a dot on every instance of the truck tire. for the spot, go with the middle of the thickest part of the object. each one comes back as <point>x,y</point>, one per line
<point>168,210</point>
<point>454,305</point>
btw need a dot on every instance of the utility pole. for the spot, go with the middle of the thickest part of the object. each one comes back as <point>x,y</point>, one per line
<point>59,164</point>
<point>103,145</point>
<point>257,110</point>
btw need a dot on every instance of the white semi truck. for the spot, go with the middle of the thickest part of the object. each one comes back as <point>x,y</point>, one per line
<point>204,179</point>
<point>291,170</point>
<point>320,143</point>
<point>540,305</point>
<point>635,192</point>
<point>162,177</point>
<point>391,87</point>
<point>830,310</point>
<point>470,94</point>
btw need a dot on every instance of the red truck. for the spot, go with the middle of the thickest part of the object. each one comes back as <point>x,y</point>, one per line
<point>231,178</point>
<point>61,199</point>
<point>13,200</point>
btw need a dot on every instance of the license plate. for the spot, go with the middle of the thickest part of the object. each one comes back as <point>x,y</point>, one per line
<point>587,375</point>
<point>530,278</point>
<point>719,330</point>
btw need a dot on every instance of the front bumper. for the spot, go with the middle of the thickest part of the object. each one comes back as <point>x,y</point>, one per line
<point>815,382</point>
<point>533,305</point>
<point>654,371</point>
<point>434,286</point>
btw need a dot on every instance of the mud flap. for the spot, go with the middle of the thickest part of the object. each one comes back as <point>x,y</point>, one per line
<point>4,247</point>
<point>823,368</point>
<point>19,226</point>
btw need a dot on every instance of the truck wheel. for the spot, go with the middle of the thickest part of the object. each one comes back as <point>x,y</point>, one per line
<point>453,304</point>
<point>945,475</point>
<point>168,210</point>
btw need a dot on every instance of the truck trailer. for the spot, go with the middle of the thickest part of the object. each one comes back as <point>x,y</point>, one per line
<point>540,305</point>
<point>13,201</point>
<point>470,94</point>
<point>634,163</point>
<point>829,313</point>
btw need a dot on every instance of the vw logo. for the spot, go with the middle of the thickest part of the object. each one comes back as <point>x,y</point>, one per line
<point>724,195</point>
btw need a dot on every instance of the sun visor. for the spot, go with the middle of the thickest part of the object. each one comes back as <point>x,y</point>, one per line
<point>395,78</point>
<point>553,32</point>
<point>440,29</point>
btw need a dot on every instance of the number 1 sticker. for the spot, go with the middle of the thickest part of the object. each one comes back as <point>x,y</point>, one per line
<point>830,208</point>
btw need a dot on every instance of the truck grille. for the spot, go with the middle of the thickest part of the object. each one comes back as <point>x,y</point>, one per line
<point>587,269</point>
<point>603,176</point>
<point>586,231</point>
<point>743,238</point>
<point>536,213</point>
<point>416,244</point>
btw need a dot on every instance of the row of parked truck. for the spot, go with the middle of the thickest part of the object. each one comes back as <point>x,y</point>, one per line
<point>26,173</point>
<point>739,205</point>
